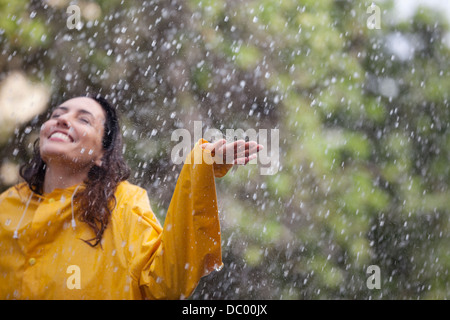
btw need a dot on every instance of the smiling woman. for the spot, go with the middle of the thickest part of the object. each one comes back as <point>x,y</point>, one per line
<point>78,173</point>
<point>81,142</point>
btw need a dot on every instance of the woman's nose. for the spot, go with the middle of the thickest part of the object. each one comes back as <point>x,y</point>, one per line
<point>64,121</point>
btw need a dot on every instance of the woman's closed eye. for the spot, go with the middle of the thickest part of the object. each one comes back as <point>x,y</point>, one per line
<point>85,120</point>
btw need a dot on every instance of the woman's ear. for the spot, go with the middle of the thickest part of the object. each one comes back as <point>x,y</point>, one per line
<point>98,162</point>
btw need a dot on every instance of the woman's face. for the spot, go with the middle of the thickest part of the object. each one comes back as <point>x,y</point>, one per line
<point>73,134</point>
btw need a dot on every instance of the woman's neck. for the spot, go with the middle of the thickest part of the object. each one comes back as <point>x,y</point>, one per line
<point>60,177</point>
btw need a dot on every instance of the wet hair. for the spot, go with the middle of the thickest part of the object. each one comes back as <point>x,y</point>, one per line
<point>96,201</point>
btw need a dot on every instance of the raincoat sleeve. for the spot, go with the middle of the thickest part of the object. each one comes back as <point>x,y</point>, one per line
<point>190,243</point>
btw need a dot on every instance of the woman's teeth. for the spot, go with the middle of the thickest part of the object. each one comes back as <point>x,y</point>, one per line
<point>61,136</point>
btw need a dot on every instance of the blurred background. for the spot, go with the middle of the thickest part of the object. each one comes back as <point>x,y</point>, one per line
<point>358,90</point>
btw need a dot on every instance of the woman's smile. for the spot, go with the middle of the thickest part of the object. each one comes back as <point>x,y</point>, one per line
<point>60,136</point>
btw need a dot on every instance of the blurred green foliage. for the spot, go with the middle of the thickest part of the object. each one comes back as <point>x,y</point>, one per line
<point>364,133</point>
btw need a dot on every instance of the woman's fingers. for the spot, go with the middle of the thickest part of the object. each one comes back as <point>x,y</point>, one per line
<point>245,151</point>
<point>237,152</point>
<point>244,160</point>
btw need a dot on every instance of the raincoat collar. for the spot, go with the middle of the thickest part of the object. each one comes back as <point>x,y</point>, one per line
<point>56,193</point>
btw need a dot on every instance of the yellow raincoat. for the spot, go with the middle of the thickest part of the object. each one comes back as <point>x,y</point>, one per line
<point>137,258</point>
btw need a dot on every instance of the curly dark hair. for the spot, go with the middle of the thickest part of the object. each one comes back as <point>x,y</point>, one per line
<point>96,200</point>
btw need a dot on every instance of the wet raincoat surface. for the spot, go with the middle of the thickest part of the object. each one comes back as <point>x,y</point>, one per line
<point>137,259</point>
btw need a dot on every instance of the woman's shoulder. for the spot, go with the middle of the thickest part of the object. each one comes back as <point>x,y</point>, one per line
<point>132,203</point>
<point>19,190</point>
<point>131,195</point>
<point>127,189</point>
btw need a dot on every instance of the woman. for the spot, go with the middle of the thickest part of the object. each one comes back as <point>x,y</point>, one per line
<point>76,229</point>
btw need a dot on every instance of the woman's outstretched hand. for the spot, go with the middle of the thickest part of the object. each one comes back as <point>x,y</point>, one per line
<point>226,155</point>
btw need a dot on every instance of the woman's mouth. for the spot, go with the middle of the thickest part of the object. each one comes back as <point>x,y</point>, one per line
<point>59,136</point>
